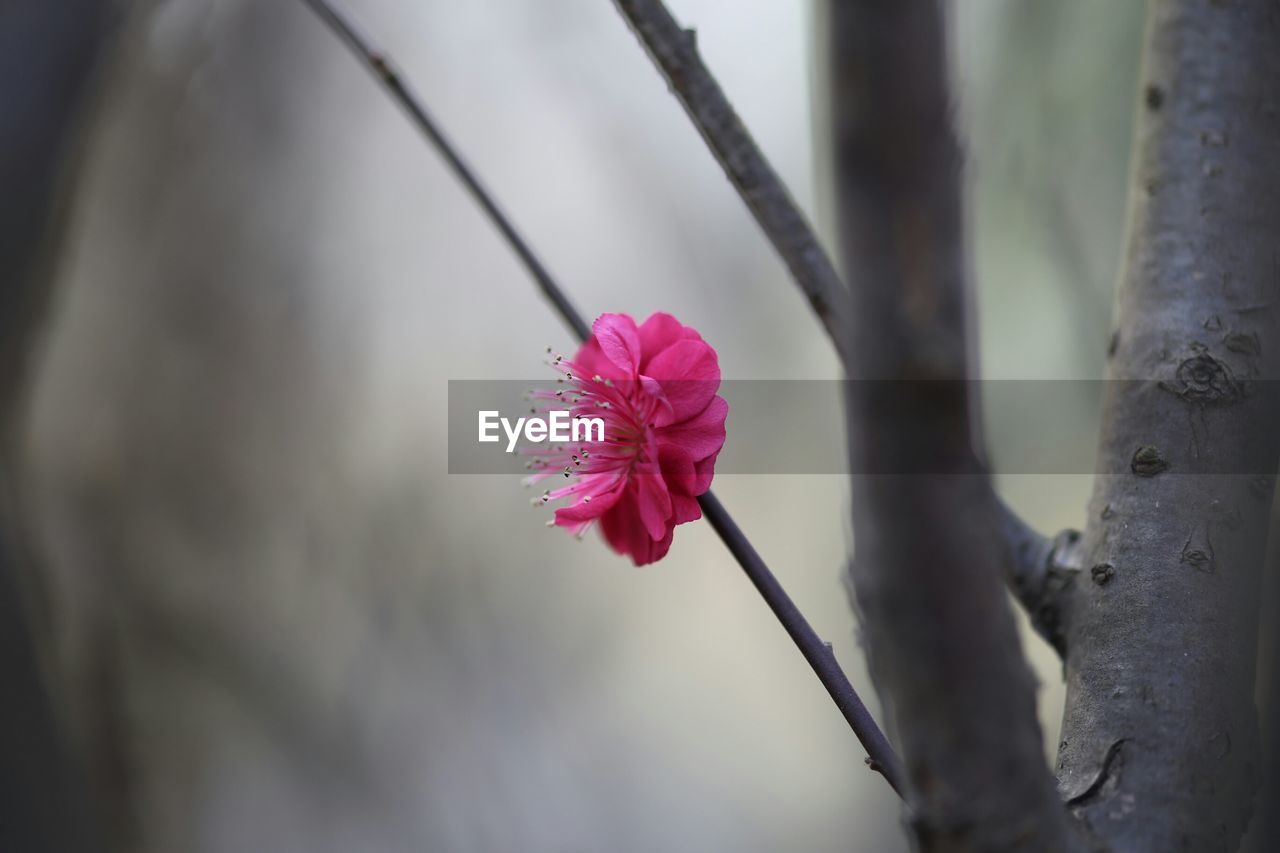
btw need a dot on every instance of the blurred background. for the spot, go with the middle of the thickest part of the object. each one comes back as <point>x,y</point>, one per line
<point>273,621</point>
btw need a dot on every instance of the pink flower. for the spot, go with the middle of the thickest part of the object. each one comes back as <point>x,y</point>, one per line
<point>654,386</point>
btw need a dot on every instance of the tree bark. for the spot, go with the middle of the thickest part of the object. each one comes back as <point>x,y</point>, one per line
<point>939,633</point>
<point>1159,745</point>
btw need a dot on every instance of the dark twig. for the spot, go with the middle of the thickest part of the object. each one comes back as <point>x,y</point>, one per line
<point>346,29</point>
<point>816,652</point>
<point>675,52</point>
<point>1041,571</point>
<point>819,656</point>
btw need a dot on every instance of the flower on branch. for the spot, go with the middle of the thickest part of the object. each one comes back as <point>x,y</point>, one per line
<point>654,386</point>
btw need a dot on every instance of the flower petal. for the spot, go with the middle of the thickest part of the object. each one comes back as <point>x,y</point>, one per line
<point>591,361</point>
<point>654,502</point>
<point>700,436</point>
<point>619,340</point>
<point>678,469</point>
<point>684,508</point>
<point>655,550</point>
<point>657,333</point>
<point>600,503</point>
<point>689,376</point>
<point>625,533</point>
<point>706,469</point>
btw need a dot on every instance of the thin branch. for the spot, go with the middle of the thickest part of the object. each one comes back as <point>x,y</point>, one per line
<point>815,651</point>
<point>881,756</point>
<point>345,28</point>
<point>675,52</point>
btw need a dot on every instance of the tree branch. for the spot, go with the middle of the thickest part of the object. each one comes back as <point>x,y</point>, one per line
<point>674,51</point>
<point>342,25</point>
<point>818,654</point>
<point>941,640</point>
<point>1161,648</point>
<point>1041,571</point>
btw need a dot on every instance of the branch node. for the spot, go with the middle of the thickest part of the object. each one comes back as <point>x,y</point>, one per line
<point>1041,572</point>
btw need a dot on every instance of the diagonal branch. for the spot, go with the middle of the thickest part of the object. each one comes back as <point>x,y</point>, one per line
<point>675,52</point>
<point>940,637</point>
<point>819,656</point>
<point>345,28</point>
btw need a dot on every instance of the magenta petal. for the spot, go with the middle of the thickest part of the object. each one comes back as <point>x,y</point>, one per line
<point>657,333</point>
<point>655,549</point>
<point>700,436</point>
<point>684,509</point>
<point>619,340</point>
<point>654,502</point>
<point>663,414</point>
<point>625,533</point>
<point>706,469</point>
<point>600,503</point>
<point>592,361</point>
<point>678,469</point>
<point>622,528</point>
<point>689,376</point>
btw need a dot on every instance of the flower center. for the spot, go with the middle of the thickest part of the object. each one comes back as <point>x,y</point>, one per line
<point>595,470</point>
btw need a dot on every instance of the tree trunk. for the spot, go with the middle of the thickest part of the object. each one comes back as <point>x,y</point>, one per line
<point>1159,745</point>
<point>939,634</point>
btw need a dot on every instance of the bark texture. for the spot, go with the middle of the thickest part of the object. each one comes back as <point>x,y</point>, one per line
<point>939,633</point>
<point>1159,747</point>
